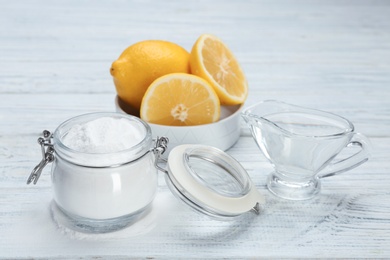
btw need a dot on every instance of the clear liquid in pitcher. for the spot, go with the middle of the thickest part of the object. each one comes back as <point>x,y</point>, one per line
<point>301,143</point>
<point>293,141</point>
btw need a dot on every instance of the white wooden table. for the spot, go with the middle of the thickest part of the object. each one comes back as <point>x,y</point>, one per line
<point>330,55</point>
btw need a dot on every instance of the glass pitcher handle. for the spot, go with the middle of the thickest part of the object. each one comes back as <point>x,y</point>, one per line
<point>352,161</point>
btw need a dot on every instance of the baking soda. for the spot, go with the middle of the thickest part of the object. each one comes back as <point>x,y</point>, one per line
<point>103,179</point>
<point>104,135</point>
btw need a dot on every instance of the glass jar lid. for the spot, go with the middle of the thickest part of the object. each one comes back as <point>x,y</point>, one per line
<point>211,181</point>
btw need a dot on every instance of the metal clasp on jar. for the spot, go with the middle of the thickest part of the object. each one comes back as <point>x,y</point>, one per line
<point>158,150</point>
<point>47,156</point>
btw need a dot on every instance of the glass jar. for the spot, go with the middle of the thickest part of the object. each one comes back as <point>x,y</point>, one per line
<point>102,192</point>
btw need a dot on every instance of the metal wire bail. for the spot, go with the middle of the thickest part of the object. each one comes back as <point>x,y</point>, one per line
<point>158,150</point>
<point>47,156</point>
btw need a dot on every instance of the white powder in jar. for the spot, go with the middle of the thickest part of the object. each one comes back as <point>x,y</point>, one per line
<point>104,135</point>
<point>104,182</point>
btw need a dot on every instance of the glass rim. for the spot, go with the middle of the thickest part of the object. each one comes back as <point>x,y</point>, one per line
<point>349,127</point>
<point>64,151</point>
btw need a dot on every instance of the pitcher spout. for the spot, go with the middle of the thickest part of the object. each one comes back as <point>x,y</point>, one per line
<point>256,115</point>
<point>255,123</point>
<point>249,118</point>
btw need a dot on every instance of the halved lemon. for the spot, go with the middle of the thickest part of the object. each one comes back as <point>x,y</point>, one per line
<point>180,99</point>
<point>212,60</point>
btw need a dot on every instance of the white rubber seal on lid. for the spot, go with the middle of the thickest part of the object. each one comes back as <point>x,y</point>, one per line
<point>212,180</point>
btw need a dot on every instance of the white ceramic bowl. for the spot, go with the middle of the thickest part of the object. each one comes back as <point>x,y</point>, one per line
<point>222,134</point>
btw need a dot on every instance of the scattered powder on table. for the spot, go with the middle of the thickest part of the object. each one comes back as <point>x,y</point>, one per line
<point>104,135</point>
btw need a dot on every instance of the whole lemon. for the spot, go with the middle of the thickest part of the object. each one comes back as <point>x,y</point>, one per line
<point>143,62</point>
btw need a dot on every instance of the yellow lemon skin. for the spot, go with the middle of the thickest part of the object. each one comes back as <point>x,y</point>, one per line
<point>142,63</point>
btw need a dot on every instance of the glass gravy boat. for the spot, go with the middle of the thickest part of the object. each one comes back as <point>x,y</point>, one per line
<point>301,144</point>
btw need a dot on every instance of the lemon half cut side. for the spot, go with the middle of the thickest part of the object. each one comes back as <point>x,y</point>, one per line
<point>212,60</point>
<point>180,99</point>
